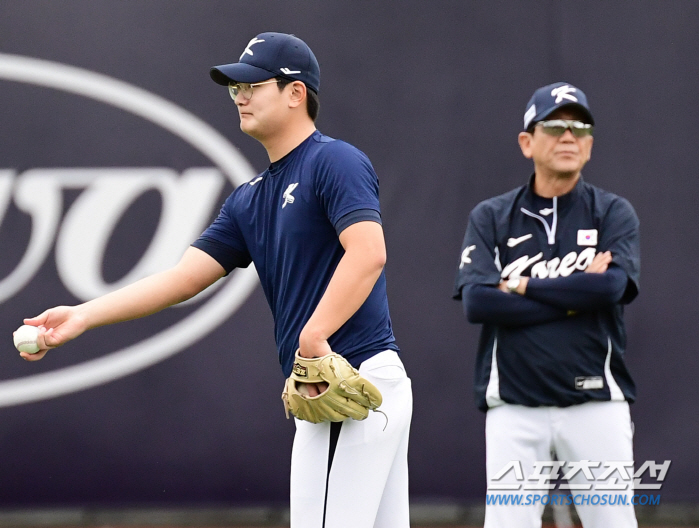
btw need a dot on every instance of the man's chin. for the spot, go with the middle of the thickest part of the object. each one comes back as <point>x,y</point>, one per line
<point>568,170</point>
<point>247,128</point>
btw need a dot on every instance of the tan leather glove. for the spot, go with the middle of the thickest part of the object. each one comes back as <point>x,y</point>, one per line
<point>348,394</point>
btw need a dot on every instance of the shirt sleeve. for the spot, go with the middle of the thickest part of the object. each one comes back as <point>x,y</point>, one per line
<point>345,182</point>
<point>228,257</point>
<point>224,241</point>
<point>580,291</point>
<point>487,304</point>
<point>360,215</point>
<point>620,235</point>
<point>479,262</point>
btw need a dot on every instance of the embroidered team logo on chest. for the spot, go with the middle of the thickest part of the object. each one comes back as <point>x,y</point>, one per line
<point>287,196</point>
<point>555,267</point>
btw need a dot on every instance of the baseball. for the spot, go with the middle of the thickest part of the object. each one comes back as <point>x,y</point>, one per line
<point>25,338</point>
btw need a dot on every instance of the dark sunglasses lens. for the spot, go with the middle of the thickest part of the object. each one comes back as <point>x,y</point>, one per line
<point>554,130</point>
<point>584,130</point>
<point>580,129</point>
<point>558,127</point>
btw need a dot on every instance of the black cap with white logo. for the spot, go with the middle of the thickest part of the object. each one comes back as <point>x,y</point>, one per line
<point>272,55</point>
<point>552,97</point>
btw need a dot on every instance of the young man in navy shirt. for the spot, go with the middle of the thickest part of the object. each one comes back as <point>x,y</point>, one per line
<point>311,224</point>
<point>546,269</point>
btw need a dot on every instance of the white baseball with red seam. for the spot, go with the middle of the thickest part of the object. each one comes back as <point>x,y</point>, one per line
<point>25,338</point>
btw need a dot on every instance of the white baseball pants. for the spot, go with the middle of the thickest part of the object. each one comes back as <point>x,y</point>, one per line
<point>593,431</point>
<point>354,474</point>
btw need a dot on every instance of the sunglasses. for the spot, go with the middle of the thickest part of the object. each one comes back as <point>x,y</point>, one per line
<point>558,127</point>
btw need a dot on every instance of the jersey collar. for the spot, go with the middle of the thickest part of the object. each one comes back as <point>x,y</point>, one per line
<point>564,201</point>
<point>276,166</point>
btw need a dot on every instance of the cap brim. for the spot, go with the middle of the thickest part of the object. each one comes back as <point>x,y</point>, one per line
<point>239,72</point>
<point>578,106</point>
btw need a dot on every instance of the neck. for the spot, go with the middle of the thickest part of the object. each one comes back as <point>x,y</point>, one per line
<point>550,185</point>
<point>287,140</point>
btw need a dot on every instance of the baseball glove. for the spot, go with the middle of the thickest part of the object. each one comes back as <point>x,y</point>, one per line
<point>348,395</point>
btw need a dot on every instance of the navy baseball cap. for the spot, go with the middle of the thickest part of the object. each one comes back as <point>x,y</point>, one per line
<point>552,97</point>
<point>272,55</point>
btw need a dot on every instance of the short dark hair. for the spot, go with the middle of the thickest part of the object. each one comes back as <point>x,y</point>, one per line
<point>312,100</point>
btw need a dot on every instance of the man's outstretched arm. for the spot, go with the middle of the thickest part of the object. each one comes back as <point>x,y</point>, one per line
<point>193,273</point>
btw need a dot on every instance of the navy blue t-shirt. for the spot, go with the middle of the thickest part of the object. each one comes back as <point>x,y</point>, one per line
<point>568,357</point>
<point>287,221</point>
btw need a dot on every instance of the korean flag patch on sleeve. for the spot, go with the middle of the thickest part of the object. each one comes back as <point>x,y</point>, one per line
<point>587,237</point>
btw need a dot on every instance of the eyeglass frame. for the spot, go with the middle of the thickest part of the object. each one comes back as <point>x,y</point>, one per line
<point>233,92</point>
<point>576,127</point>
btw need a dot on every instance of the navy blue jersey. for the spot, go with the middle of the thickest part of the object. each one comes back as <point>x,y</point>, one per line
<point>558,357</point>
<point>287,221</point>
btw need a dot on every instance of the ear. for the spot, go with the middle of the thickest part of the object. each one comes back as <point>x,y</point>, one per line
<point>525,143</point>
<point>297,94</point>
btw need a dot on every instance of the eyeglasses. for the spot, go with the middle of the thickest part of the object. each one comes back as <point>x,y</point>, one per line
<point>245,89</point>
<point>558,127</point>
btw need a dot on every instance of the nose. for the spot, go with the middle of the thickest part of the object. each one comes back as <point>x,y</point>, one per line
<point>568,135</point>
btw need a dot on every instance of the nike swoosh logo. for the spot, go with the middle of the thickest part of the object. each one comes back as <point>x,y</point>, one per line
<point>512,242</point>
<point>287,71</point>
<point>253,182</point>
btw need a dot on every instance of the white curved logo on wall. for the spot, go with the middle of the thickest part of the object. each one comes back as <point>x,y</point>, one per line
<point>80,240</point>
